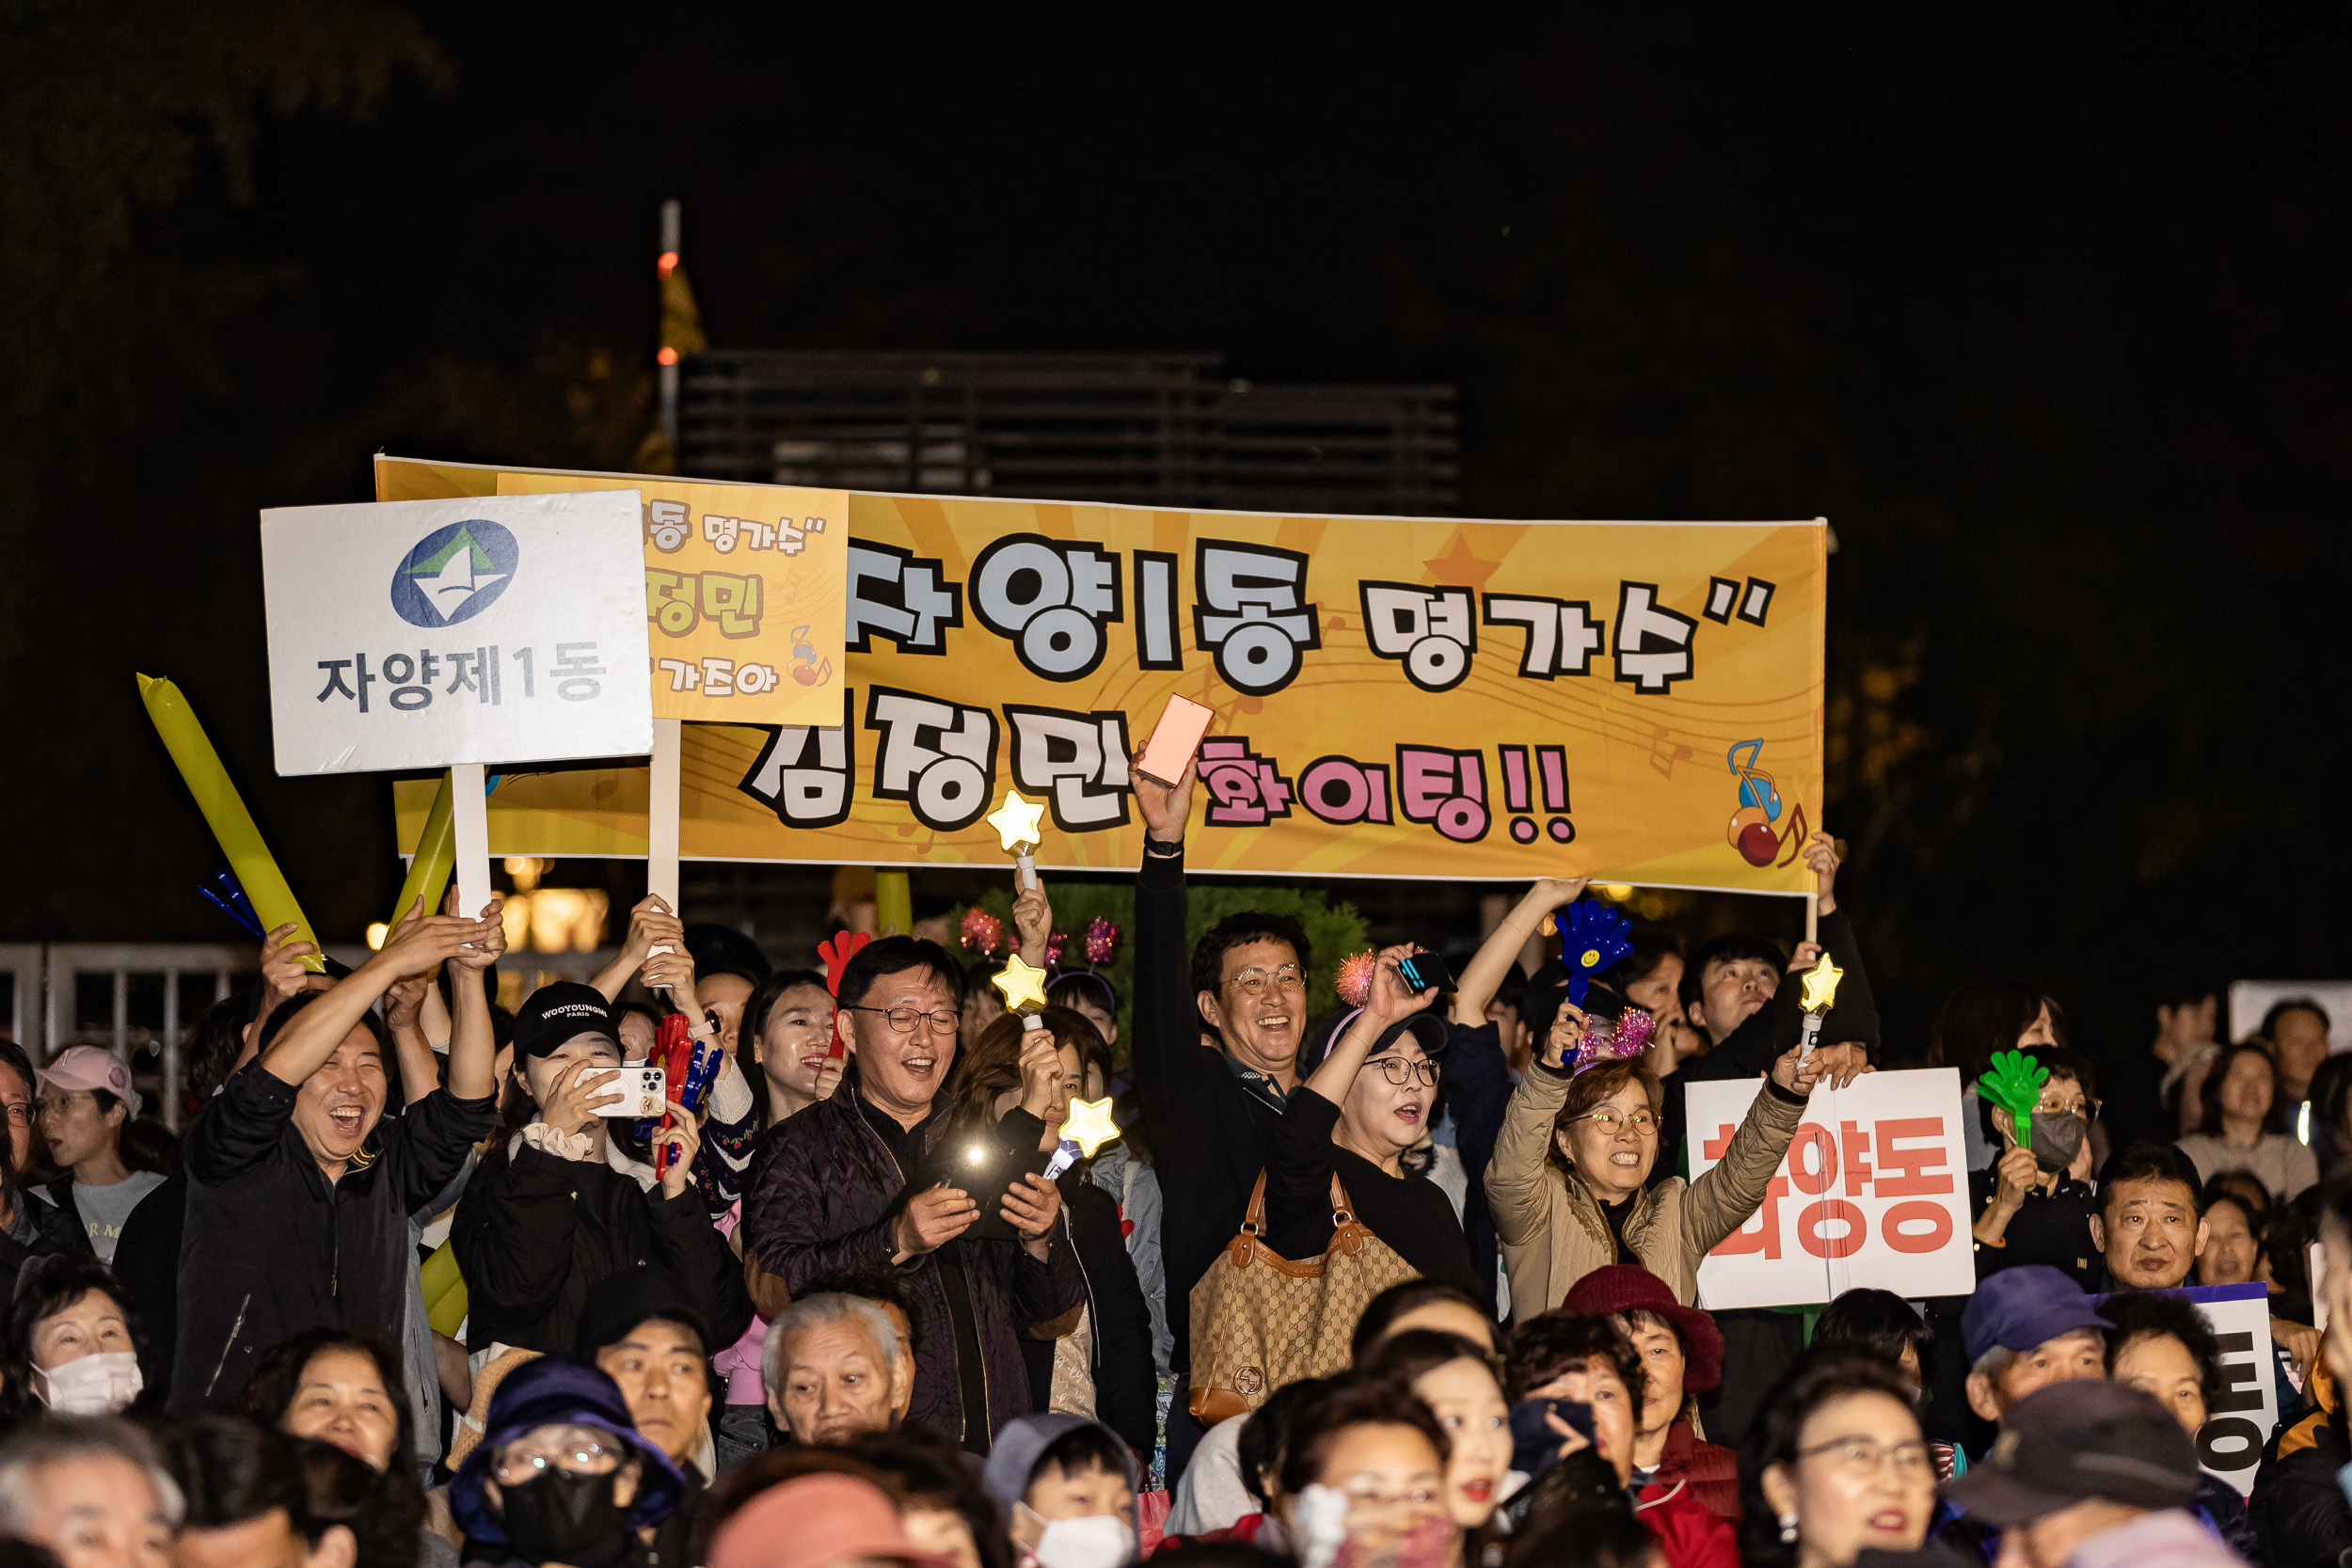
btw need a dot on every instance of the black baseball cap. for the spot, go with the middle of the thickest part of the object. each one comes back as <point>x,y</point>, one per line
<point>2073,1441</point>
<point>627,1297</point>
<point>562,1011</point>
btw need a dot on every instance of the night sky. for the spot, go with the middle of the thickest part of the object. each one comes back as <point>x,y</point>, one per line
<point>2048,315</point>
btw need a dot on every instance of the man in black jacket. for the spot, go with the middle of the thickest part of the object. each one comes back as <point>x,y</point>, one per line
<point>298,1201</point>
<point>1211,1108</point>
<point>853,1183</point>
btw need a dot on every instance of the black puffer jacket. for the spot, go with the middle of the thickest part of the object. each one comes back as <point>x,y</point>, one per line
<point>536,1232</point>
<point>823,1194</point>
<point>2299,1513</point>
<point>271,1250</point>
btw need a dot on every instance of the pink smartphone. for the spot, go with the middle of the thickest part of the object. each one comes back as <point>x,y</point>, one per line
<point>1174,740</point>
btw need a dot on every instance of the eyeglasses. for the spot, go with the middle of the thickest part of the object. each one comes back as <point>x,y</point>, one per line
<point>573,1449</point>
<point>50,1105</point>
<point>1867,1456</point>
<point>1400,1071</point>
<point>1607,1119</point>
<point>1253,982</point>
<point>2078,1106</point>
<point>902,1019</point>
<point>1418,1498</point>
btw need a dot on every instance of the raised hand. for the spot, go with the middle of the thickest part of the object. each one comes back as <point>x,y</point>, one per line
<point>1165,810</point>
<point>1032,919</point>
<point>1569,1030</point>
<point>404,1004</point>
<point>283,976</point>
<point>1820,853</point>
<point>684,1135</point>
<point>571,1105</point>
<point>421,942</point>
<point>487,948</point>
<point>1040,1073</point>
<point>1390,998</point>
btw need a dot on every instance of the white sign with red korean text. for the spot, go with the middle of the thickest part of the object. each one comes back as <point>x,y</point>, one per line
<point>1872,1192</point>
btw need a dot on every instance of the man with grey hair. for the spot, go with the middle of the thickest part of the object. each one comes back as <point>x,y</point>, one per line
<point>2026,1328</point>
<point>833,1369</point>
<point>71,1482</point>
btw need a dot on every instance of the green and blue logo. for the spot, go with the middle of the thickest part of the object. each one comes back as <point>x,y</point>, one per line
<point>455,573</point>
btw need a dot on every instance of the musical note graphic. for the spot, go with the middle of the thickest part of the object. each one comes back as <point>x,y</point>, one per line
<point>1751,831</point>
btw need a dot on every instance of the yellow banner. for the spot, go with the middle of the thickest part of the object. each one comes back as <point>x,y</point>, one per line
<point>1635,701</point>
<point>742,584</point>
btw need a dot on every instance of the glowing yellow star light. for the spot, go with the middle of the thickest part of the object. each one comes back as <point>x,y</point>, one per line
<point>1016,822</point>
<point>1022,986</point>
<point>1821,986</point>
<point>1090,1125</point>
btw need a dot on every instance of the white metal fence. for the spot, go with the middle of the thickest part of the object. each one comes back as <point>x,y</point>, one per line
<point>144,999</point>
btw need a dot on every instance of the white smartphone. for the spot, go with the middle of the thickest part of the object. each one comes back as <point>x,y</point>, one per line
<point>641,1090</point>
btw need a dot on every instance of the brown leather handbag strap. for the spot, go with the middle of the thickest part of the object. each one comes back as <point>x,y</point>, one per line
<point>1253,1224</point>
<point>1341,1212</point>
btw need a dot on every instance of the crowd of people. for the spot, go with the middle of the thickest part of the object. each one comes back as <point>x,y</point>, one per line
<point>1410,1279</point>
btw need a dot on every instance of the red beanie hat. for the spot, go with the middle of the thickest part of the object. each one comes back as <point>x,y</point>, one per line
<point>1626,1287</point>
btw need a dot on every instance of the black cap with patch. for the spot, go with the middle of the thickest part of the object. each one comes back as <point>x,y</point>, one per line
<point>564,1010</point>
<point>2077,1440</point>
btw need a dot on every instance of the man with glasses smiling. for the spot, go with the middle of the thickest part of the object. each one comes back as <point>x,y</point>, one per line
<point>1216,1054</point>
<point>832,1189</point>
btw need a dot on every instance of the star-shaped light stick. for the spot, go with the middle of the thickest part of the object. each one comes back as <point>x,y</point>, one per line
<point>1086,1128</point>
<point>1023,986</point>
<point>1821,995</point>
<point>1016,825</point>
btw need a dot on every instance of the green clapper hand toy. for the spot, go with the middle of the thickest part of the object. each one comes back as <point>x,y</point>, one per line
<point>2015,1083</point>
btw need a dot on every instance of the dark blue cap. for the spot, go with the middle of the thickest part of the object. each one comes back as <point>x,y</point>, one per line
<point>2027,1306</point>
<point>550,1391</point>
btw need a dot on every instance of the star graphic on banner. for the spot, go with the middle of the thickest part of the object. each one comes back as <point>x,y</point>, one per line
<point>1821,986</point>
<point>1090,1125</point>
<point>1016,822</point>
<point>1458,565</point>
<point>1022,986</point>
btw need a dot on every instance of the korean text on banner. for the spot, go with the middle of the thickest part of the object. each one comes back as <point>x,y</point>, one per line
<point>2239,1419</point>
<point>1872,1192</point>
<point>744,591</point>
<point>1395,697</point>
<point>427,633</point>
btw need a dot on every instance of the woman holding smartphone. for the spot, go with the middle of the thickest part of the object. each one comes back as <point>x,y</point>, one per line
<point>1359,1116</point>
<point>567,1195</point>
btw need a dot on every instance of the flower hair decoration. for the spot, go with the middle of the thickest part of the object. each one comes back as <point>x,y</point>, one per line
<point>1613,1040</point>
<point>1354,980</point>
<point>1101,940</point>
<point>1592,937</point>
<point>982,933</point>
<point>836,956</point>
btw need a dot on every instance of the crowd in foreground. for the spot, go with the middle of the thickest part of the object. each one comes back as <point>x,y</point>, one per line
<point>1408,1280</point>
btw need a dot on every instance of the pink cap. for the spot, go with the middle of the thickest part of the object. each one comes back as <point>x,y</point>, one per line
<point>815,1522</point>
<point>90,1066</point>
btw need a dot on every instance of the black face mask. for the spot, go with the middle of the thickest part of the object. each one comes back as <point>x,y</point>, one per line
<point>562,1517</point>
<point>2057,1137</point>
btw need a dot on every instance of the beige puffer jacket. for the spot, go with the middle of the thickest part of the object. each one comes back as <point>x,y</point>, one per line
<point>1553,1232</point>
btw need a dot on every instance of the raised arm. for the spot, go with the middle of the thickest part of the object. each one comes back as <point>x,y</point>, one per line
<point>1166,1050</point>
<point>472,1046</point>
<point>1033,920</point>
<point>1516,1193</point>
<point>1483,975</point>
<point>1721,1200</point>
<point>416,944</point>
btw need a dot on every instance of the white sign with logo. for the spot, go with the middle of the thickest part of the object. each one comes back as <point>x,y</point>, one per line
<point>2239,1418</point>
<point>486,629</point>
<point>1873,1191</point>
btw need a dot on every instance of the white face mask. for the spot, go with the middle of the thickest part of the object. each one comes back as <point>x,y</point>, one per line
<point>1101,1542</point>
<point>94,1385</point>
